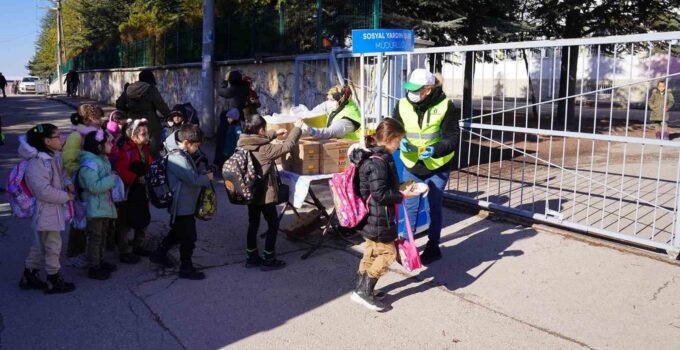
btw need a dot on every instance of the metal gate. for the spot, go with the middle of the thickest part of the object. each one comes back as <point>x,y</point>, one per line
<point>596,167</point>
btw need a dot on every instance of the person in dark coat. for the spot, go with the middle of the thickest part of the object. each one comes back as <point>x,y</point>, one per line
<point>236,91</point>
<point>3,83</point>
<point>72,81</point>
<point>379,187</point>
<point>143,100</point>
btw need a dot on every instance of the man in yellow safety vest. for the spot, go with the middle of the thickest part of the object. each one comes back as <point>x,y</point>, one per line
<point>428,149</point>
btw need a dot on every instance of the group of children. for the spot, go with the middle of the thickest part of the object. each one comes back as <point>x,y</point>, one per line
<point>75,181</point>
<point>94,156</point>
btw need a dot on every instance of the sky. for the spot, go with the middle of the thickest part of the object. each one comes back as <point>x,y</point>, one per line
<point>19,26</point>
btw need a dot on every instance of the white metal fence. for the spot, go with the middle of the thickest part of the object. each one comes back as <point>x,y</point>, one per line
<point>600,170</point>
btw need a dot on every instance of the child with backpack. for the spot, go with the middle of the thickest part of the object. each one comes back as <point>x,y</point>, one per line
<point>378,185</point>
<point>87,119</point>
<point>259,142</point>
<point>186,183</point>
<point>46,181</point>
<point>134,159</point>
<point>233,133</point>
<point>96,181</point>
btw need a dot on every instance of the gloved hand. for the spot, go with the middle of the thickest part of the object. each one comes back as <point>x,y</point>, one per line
<point>138,168</point>
<point>305,129</point>
<point>427,154</point>
<point>404,146</point>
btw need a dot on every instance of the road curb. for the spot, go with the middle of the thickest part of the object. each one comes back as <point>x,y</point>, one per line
<point>62,101</point>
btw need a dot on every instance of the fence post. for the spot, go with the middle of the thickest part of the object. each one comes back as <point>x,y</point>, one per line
<point>208,78</point>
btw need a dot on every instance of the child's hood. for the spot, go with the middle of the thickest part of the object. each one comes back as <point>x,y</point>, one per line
<point>83,130</point>
<point>171,143</point>
<point>26,151</point>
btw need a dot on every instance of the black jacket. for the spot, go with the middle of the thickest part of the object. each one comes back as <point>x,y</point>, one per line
<point>236,95</point>
<point>449,129</point>
<point>142,100</point>
<point>379,180</point>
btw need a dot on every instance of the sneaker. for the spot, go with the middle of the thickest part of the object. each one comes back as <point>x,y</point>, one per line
<point>190,273</point>
<point>79,261</point>
<point>129,258</point>
<point>30,279</point>
<point>107,266</point>
<point>97,273</point>
<point>271,264</point>
<point>161,258</point>
<point>56,285</point>
<point>431,254</point>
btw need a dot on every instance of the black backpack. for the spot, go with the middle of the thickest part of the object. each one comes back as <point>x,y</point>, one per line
<point>242,176</point>
<point>157,183</point>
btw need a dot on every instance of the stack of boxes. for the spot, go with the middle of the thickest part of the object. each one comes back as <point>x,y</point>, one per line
<point>313,157</point>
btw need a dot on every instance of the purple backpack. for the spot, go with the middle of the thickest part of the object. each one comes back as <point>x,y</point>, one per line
<point>21,200</point>
<point>349,206</point>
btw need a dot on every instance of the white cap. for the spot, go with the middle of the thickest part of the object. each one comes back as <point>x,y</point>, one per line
<point>419,78</point>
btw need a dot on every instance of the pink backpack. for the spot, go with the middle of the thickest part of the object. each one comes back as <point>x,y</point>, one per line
<point>349,206</point>
<point>21,200</point>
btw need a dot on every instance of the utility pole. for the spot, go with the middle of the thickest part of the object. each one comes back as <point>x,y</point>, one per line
<point>59,54</point>
<point>207,76</point>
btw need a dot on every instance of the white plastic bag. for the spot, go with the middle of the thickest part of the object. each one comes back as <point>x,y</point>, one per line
<point>118,191</point>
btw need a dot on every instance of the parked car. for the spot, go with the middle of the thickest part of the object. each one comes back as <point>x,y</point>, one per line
<point>27,85</point>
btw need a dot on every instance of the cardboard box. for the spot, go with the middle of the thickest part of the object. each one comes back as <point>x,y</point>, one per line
<point>334,156</point>
<point>304,159</point>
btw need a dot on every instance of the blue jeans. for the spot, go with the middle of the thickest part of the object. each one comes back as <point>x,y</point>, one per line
<point>436,182</point>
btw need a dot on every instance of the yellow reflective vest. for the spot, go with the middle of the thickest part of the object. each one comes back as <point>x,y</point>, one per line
<point>423,136</point>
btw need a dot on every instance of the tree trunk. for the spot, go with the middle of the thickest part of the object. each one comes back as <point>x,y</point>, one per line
<point>467,84</point>
<point>568,66</point>
<point>530,89</point>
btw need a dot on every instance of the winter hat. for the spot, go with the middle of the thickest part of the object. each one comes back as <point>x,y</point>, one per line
<point>147,76</point>
<point>233,114</point>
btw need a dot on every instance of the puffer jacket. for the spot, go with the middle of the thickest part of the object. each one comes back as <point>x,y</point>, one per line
<point>96,182</point>
<point>128,158</point>
<point>266,154</point>
<point>184,178</point>
<point>71,150</point>
<point>378,180</point>
<point>44,177</point>
<point>142,100</point>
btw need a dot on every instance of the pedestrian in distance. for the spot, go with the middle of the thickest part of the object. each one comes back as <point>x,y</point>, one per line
<point>379,188</point>
<point>96,180</point>
<point>187,183</point>
<point>258,141</point>
<point>52,190</point>
<point>3,84</point>
<point>660,104</point>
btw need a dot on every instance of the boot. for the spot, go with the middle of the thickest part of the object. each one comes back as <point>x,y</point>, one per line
<point>129,258</point>
<point>107,266</point>
<point>253,258</point>
<point>188,271</point>
<point>431,253</point>
<point>98,273</point>
<point>378,295</point>
<point>271,263</point>
<point>364,295</point>
<point>56,284</point>
<point>160,257</point>
<point>30,279</point>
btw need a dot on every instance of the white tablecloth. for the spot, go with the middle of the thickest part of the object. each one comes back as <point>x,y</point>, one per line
<point>299,185</point>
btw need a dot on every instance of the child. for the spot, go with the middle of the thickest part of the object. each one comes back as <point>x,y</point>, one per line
<point>233,133</point>
<point>186,183</point>
<point>96,182</point>
<point>116,123</point>
<point>256,140</point>
<point>44,177</point>
<point>134,159</point>
<point>86,120</point>
<point>660,103</point>
<point>379,184</point>
<point>176,119</point>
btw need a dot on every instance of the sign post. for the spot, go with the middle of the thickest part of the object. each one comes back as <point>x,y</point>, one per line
<point>378,41</point>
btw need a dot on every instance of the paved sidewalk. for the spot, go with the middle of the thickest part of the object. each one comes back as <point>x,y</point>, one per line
<point>500,286</point>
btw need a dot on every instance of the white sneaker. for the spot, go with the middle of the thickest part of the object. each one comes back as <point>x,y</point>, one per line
<point>79,261</point>
<point>365,303</point>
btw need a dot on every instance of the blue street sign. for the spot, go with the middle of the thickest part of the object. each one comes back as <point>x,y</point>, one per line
<point>382,40</point>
